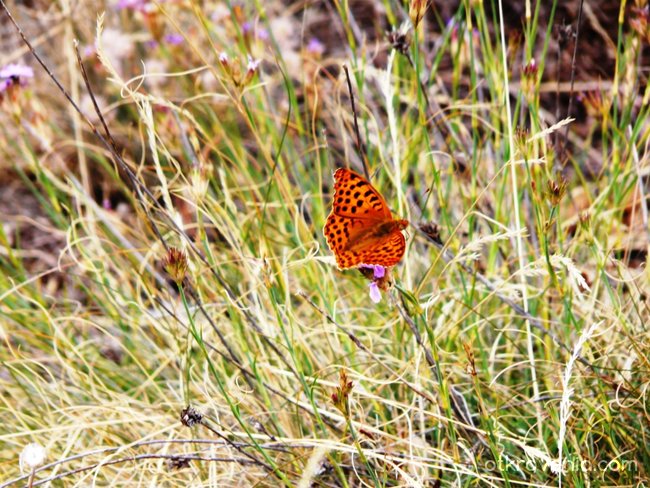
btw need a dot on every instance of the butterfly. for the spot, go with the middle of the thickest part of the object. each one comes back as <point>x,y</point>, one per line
<point>360,229</point>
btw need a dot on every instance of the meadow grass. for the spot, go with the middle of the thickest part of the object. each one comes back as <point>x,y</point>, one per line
<point>170,313</point>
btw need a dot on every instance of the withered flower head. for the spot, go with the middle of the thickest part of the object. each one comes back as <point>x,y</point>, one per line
<point>521,141</point>
<point>640,22</point>
<point>596,102</point>
<point>177,463</point>
<point>432,230</point>
<point>190,416</point>
<point>341,396</point>
<point>399,40</point>
<point>564,33</point>
<point>417,9</point>
<point>175,264</point>
<point>471,362</point>
<point>529,78</point>
<point>555,190</point>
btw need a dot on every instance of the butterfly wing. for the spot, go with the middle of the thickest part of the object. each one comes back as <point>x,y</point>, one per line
<point>337,233</point>
<point>357,209</point>
<point>387,251</point>
<point>356,198</point>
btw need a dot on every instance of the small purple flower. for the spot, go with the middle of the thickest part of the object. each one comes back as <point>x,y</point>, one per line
<point>314,46</point>
<point>89,50</point>
<point>174,39</point>
<point>378,271</point>
<point>130,4</point>
<point>252,65</point>
<point>247,27</point>
<point>144,6</point>
<point>17,72</point>
<point>375,294</point>
<point>14,74</point>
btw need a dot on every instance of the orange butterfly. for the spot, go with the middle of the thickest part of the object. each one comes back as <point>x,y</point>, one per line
<point>360,229</point>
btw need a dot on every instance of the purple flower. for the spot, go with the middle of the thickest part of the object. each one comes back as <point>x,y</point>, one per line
<point>174,39</point>
<point>260,33</point>
<point>314,46</point>
<point>14,74</point>
<point>247,27</point>
<point>375,294</point>
<point>89,50</point>
<point>378,271</point>
<point>144,6</point>
<point>252,66</point>
<point>16,71</point>
<point>130,4</point>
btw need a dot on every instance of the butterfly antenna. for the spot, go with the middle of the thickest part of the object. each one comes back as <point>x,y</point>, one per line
<point>361,149</point>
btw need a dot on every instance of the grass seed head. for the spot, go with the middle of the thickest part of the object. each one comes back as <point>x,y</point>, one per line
<point>175,264</point>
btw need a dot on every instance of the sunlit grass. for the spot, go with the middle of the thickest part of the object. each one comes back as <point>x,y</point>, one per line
<point>504,349</point>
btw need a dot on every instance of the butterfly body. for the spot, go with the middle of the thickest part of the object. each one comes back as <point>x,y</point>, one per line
<point>361,229</point>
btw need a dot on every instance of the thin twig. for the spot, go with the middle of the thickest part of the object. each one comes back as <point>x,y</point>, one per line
<point>361,148</point>
<point>171,457</point>
<point>573,75</point>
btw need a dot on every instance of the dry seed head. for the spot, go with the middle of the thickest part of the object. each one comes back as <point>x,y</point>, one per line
<point>596,103</point>
<point>555,191</point>
<point>32,456</point>
<point>521,142</point>
<point>190,416</point>
<point>417,9</point>
<point>399,40</point>
<point>175,264</point>
<point>640,22</point>
<point>529,79</point>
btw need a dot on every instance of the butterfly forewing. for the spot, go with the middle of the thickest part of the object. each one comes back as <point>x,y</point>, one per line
<point>354,197</point>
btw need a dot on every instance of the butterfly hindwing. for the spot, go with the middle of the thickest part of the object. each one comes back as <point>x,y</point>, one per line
<point>386,252</point>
